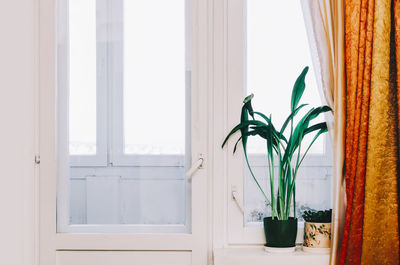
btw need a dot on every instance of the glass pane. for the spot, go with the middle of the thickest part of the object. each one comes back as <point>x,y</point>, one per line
<point>82,77</point>
<point>276,52</point>
<point>154,77</point>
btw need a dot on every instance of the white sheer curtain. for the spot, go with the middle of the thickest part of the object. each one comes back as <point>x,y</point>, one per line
<point>324,23</point>
<point>318,19</point>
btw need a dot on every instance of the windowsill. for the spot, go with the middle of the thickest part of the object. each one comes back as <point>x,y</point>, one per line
<point>257,256</point>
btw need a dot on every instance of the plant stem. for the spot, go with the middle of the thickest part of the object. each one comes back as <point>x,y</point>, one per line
<point>294,201</point>
<point>258,184</point>
<point>271,180</point>
<point>293,182</point>
<point>280,187</point>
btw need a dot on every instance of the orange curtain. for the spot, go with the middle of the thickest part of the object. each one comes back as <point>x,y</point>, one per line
<point>372,39</point>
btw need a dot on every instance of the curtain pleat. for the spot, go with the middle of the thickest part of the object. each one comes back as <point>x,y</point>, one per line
<point>371,233</point>
<point>359,25</point>
<point>380,231</point>
<point>366,124</point>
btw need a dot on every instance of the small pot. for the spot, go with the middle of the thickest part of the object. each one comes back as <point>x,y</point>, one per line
<point>317,236</point>
<point>280,233</point>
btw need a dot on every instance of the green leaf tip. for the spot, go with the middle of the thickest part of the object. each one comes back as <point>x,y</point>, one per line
<point>248,98</point>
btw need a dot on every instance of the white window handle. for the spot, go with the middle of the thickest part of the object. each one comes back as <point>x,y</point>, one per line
<point>196,165</point>
<point>235,197</point>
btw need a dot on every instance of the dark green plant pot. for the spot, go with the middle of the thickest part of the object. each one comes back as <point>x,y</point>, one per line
<point>280,233</point>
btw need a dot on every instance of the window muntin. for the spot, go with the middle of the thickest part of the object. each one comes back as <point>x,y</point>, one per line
<point>275,55</point>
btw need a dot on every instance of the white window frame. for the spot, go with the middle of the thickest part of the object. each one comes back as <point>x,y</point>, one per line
<point>52,242</point>
<point>109,111</point>
<point>237,232</point>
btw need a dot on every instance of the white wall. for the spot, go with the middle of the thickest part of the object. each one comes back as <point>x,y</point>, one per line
<point>17,92</point>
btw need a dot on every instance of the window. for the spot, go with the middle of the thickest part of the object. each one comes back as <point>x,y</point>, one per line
<point>265,59</point>
<point>274,58</point>
<point>125,72</point>
<point>82,76</point>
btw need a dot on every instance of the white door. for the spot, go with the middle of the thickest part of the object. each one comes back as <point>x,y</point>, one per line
<point>123,96</point>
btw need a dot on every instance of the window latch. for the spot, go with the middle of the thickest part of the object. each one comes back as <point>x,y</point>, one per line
<point>195,166</point>
<point>37,159</point>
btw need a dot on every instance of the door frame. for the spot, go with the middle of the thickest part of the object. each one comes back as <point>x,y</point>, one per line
<point>49,240</point>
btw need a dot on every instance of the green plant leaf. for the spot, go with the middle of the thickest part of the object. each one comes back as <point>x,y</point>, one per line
<point>299,132</point>
<point>318,126</point>
<point>247,104</point>
<point>242,126</point>
<point>313,216</point>
<point>269,122</point>
<point>298,88</point>
<point>291,117</point>
<point>234,148</point>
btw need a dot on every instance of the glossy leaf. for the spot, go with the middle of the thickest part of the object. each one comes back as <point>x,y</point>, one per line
<point>298,89</point>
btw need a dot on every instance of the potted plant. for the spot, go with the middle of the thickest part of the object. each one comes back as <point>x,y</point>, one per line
<point>317,231</point>
<point>284,148</point>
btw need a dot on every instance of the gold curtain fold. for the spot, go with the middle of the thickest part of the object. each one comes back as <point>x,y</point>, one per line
<point>371,231</point>
<point>380,231</point>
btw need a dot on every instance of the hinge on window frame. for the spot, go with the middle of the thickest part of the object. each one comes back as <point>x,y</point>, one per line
<point>37,159</point>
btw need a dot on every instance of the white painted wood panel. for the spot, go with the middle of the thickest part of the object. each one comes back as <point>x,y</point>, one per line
<point>18,87</point>
<point>123,257</point>
<point>257,256</point>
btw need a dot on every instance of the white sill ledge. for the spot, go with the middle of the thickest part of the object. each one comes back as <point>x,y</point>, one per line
<point>257,256</point>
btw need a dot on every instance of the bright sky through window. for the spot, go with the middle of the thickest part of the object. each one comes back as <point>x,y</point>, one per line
<point>154,77</point>
<point>82,77</point>
<point>277,51</point>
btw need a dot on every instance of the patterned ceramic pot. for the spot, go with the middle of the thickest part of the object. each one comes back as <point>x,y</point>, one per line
<point>317,235</point>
